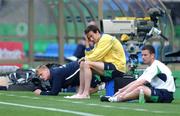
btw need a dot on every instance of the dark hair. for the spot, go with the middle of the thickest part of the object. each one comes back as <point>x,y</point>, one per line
<point>150,48</point>
<point>92,28</point>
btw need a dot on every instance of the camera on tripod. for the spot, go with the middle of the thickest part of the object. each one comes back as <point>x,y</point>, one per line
<point>134,32</point>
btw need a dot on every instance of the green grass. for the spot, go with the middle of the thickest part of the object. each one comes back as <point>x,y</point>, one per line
<point>35,106</point>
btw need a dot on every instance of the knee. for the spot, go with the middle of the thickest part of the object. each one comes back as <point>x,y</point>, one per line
<point>139,88</point>
<point>84,64</point>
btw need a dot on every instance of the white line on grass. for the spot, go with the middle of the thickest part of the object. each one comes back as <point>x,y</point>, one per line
<point>98,105</point>
<point>49,109</point>
<point>24,96</point>
<point>114,107</point>
<point>92,104</point>
<point>35,98</point>
<point>10,95</point>
<point>126,108</point>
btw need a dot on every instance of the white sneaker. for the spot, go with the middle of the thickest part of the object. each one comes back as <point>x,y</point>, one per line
<point>113,99</point>
<point>72,58</point>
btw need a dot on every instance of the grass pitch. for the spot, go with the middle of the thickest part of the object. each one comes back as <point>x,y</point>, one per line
<point>14,103</point>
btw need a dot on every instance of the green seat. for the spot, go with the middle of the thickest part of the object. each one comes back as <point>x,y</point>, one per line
<point>40,46</point>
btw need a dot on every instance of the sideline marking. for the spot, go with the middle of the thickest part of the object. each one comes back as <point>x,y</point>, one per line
<point>113,107</point>
<point>99,105</point>
<point>50,109</point>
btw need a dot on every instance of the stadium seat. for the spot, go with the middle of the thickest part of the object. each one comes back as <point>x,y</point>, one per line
<point>52,51</point>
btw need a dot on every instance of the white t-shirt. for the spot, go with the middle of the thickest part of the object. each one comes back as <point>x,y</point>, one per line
<point>150,75</point>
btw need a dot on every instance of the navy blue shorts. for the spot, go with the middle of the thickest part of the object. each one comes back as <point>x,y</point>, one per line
<point>110,72</point>
<point>160,96</point>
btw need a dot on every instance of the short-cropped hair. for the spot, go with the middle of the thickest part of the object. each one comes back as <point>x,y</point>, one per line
<point>150,48</point>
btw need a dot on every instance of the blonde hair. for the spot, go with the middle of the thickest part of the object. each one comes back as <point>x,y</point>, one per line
<point>40,67</point>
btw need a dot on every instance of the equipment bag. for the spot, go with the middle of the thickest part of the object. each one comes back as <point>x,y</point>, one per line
<point>22,76</point>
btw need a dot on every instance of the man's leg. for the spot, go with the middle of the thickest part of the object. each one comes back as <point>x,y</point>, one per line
<point>87,78</point>
<point>97,66</point>
<point>88,66</point>
<point>81,78</point>
<point>134,94</point>
<point>81,82</point>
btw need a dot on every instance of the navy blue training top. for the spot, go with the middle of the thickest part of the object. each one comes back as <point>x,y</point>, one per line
<point>59,75</point>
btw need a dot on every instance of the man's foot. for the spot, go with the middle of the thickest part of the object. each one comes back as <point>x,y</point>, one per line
<point>83,97</point>
<point>109,99</point>
<point>105,98</point>
<point>72,97</point>
<point>113,99</point>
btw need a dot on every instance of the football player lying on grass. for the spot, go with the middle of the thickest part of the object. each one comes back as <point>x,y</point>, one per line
<point>61,77</point>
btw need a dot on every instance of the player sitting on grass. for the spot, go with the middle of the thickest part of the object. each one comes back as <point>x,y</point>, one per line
<point>156,82</point>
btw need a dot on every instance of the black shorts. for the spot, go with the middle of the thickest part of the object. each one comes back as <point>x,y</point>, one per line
<point>110,72</point>
<point>74,81</point>
<point>160,96</point>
